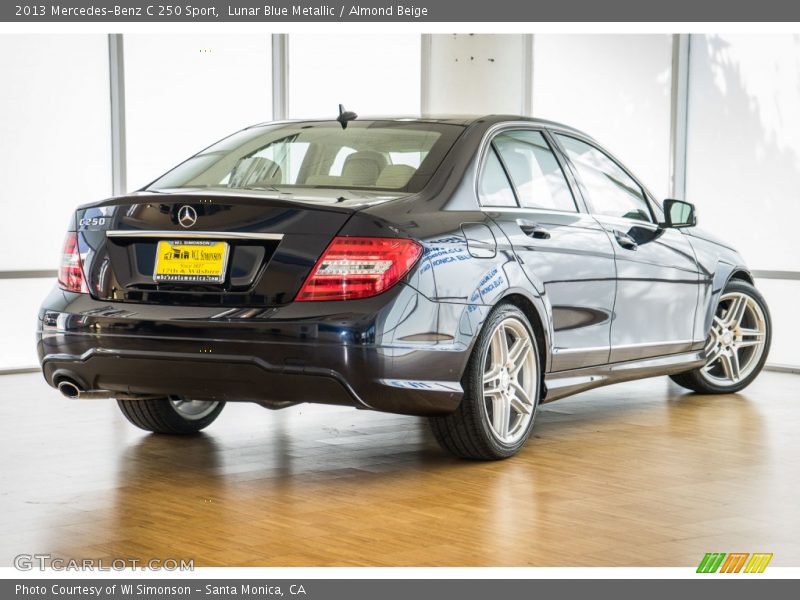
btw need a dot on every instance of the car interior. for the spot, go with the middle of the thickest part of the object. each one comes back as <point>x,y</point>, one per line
<point>364,159</point>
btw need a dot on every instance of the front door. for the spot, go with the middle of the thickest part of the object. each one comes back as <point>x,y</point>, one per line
<point>657,275</point>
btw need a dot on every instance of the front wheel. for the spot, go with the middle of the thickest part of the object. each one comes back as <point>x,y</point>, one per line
<point>171,415</point>
<point>737,345</point>
<point>501,391</point>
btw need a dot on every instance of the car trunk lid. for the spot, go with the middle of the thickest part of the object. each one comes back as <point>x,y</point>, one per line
<point>271,244</point>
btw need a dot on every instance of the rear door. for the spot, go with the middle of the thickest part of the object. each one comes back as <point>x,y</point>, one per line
<point>565,254</point>
<point>657,275</point>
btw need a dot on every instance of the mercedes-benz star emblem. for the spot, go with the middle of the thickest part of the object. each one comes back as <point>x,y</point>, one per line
<point>187,216</point>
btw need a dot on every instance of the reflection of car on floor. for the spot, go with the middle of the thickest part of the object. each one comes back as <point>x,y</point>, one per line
<point>462,269</point>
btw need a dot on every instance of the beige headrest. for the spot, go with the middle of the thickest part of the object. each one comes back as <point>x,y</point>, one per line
<point>395,177</point>
<point>361,169</point>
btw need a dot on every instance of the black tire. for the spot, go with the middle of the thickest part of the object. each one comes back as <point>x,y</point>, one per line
<point>159,415</point>
<point>696,380</point>
<point>466,432</point>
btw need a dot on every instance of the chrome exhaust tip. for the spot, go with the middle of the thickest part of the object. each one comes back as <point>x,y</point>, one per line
<point>69,389</point>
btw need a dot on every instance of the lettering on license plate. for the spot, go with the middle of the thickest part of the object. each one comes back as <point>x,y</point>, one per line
<point>191,261</point>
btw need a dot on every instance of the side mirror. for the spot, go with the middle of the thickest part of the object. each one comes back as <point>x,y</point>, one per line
<point>678,214</point>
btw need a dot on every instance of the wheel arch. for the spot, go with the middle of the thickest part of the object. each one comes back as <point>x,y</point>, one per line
<point>738,281</point>
<point>538,321</point>
<point>724,273</point>
<point>742,274</point>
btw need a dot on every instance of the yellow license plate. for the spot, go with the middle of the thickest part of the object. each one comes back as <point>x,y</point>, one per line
<point>191,261</point>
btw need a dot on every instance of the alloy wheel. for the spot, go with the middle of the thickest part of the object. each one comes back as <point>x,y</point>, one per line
<point>510,381</point>
<point>737,339</point>
<point>193,410</point>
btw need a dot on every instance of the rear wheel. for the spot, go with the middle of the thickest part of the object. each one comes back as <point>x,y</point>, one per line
<point>501,391</point>
<point>737,345</point>
<point>171,415</point>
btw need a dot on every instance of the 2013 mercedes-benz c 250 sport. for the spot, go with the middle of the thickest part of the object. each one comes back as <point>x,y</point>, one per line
<point>462,269</point>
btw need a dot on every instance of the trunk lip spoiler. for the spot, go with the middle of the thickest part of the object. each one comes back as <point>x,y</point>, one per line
<point>204,235</point>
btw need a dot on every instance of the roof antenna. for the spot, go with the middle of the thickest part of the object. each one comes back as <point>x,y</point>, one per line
<point>345,116</point>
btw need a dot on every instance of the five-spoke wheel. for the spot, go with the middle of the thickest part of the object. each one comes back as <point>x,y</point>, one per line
<point>509,380</point>
<point>737,339</point>
<point>737,345</point>
<point>501,391</point>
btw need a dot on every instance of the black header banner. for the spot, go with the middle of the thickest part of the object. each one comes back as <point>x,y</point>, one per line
<point>458,11</point>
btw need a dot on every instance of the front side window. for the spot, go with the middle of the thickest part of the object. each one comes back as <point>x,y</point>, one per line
<point>367,155</point>
<point>534,171</point>
<point>612,192</point>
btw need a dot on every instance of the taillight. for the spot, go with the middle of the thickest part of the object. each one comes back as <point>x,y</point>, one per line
<point>359,267</point>
<point>70,273</point>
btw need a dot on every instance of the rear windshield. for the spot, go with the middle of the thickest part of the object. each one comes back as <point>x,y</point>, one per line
<point>369,155</point>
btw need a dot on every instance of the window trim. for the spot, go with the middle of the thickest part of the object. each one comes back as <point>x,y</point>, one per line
<point>491,149</point>
<point>506,171</point>
<point>646,195</point>
<point>488,144</point>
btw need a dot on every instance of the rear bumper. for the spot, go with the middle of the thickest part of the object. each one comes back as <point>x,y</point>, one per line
<point>385,355</point>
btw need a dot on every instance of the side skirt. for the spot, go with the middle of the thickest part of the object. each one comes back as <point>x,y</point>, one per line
<point>566,383</point>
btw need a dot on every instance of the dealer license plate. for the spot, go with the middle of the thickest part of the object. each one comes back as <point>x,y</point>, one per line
<point>191,261</point>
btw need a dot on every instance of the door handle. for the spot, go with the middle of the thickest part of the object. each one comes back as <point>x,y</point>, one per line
<point>533,230</point>
<point>626,241</point>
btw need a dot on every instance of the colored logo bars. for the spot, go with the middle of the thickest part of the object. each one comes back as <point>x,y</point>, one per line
<point>737,562</point>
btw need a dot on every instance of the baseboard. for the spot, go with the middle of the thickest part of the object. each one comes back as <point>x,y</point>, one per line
<point>19,370</point>
<point>783,368</point>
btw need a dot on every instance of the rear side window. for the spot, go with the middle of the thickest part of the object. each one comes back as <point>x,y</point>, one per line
<point>534,171</point>
<point>612,192</point>
<point>495,189</point>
